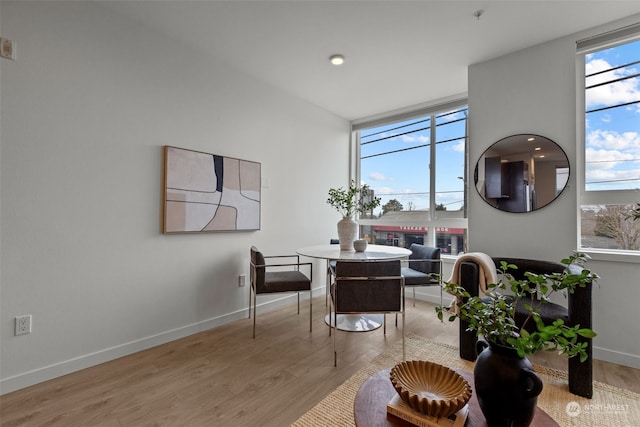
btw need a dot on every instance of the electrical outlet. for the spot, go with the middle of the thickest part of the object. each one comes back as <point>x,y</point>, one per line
<point>242,280</point>
<point>7,49</point>
<point>23,325</point>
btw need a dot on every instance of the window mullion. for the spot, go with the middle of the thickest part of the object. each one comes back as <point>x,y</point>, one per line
<point>432,181</point>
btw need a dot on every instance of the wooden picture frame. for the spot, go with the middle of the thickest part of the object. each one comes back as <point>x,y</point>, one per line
<point>205,192</point>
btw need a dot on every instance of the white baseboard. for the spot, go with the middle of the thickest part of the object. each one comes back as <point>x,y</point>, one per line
<point>26,379</point>
<point>422,296</point>
<point>46,373</point>
<point>616,357</point>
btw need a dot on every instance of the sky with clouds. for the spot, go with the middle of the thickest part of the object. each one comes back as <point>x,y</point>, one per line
<point>612,149</point>
<point>400,156</point>
<point>395,158</point>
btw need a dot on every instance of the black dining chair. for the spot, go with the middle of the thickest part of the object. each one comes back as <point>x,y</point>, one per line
<point>278,277</point>
<point>366,287</point>
<point>423,268</point>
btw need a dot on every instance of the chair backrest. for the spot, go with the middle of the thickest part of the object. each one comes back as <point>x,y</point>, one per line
<point>418,252</point>
<point>368,286</point>
<point>257,270</point>
<point>579,303</point>
<point>530,265</point>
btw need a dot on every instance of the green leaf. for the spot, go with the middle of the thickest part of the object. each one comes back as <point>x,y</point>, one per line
<point>587,333</point>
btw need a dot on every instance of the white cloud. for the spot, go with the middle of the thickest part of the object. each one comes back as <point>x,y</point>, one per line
<point>612,93</point>
<point>419,138</point>
<point>612,140</point>
<point>406,138</point>
<point>605,159</point>
<point>612,157</point>
<point>611,177</point>
<point>377,176</point>
<point>459,147</point>
<point>384,190</point>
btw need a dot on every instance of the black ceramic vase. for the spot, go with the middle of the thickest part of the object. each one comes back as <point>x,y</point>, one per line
<point>506,386</point>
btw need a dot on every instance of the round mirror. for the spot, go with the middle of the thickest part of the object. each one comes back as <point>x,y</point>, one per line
<point>522,173</point>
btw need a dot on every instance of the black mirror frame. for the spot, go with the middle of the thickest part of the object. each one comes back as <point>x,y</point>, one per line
<point>505,183</point>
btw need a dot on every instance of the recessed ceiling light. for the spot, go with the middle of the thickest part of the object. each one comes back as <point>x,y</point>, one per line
<point>531,139</point>
<point>336,59</point>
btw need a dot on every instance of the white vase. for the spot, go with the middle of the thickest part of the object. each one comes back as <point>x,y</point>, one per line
<point>347,233</point>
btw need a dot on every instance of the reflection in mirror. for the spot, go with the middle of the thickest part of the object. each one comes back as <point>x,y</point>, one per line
<point>522,173</point>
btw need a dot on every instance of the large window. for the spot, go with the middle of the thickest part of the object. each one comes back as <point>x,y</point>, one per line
<point>611,178</point>
<point>416,165</point>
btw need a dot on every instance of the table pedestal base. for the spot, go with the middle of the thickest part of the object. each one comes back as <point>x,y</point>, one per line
<point>356,322</point>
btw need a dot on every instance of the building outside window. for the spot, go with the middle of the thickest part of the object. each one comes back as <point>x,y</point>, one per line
<point>416,165</point>
<point>611,150</point>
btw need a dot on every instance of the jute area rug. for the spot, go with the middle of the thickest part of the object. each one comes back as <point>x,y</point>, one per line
<point>609,407</point>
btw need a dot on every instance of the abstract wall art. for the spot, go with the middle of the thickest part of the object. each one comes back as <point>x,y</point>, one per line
<point>206,192</point>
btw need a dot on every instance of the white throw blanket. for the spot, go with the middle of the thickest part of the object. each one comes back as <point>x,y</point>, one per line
<point>487,273</point>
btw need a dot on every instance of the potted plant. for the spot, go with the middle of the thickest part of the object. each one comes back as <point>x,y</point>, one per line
<point>356,198</point>
<point>493,316</point>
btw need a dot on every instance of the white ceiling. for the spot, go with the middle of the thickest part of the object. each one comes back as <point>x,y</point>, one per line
<point>398,53</point>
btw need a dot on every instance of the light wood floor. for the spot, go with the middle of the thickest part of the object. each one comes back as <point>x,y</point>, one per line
<point>223,377</point>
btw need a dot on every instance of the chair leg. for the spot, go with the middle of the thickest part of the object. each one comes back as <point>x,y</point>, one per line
<point>298,302</point>
<point>330,306</point>
<point>467,342</point>
<point>326,286</point>
<point>581,375</point>
<point>384,321</point>
<point>404,310</point>
<point>310,310</point>
<point>404,357</point>
<point>335,334</point>
<point>254,315</point>
<point>250,293</point>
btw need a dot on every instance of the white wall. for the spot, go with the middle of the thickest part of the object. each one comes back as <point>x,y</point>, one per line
<point>534,91</point>
<point>86,109</point>
<point>88,105</point>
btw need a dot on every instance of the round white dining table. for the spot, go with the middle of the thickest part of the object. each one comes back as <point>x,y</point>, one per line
<point>355,322</point>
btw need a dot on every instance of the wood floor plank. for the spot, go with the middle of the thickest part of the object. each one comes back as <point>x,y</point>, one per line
<point>223,377</point>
